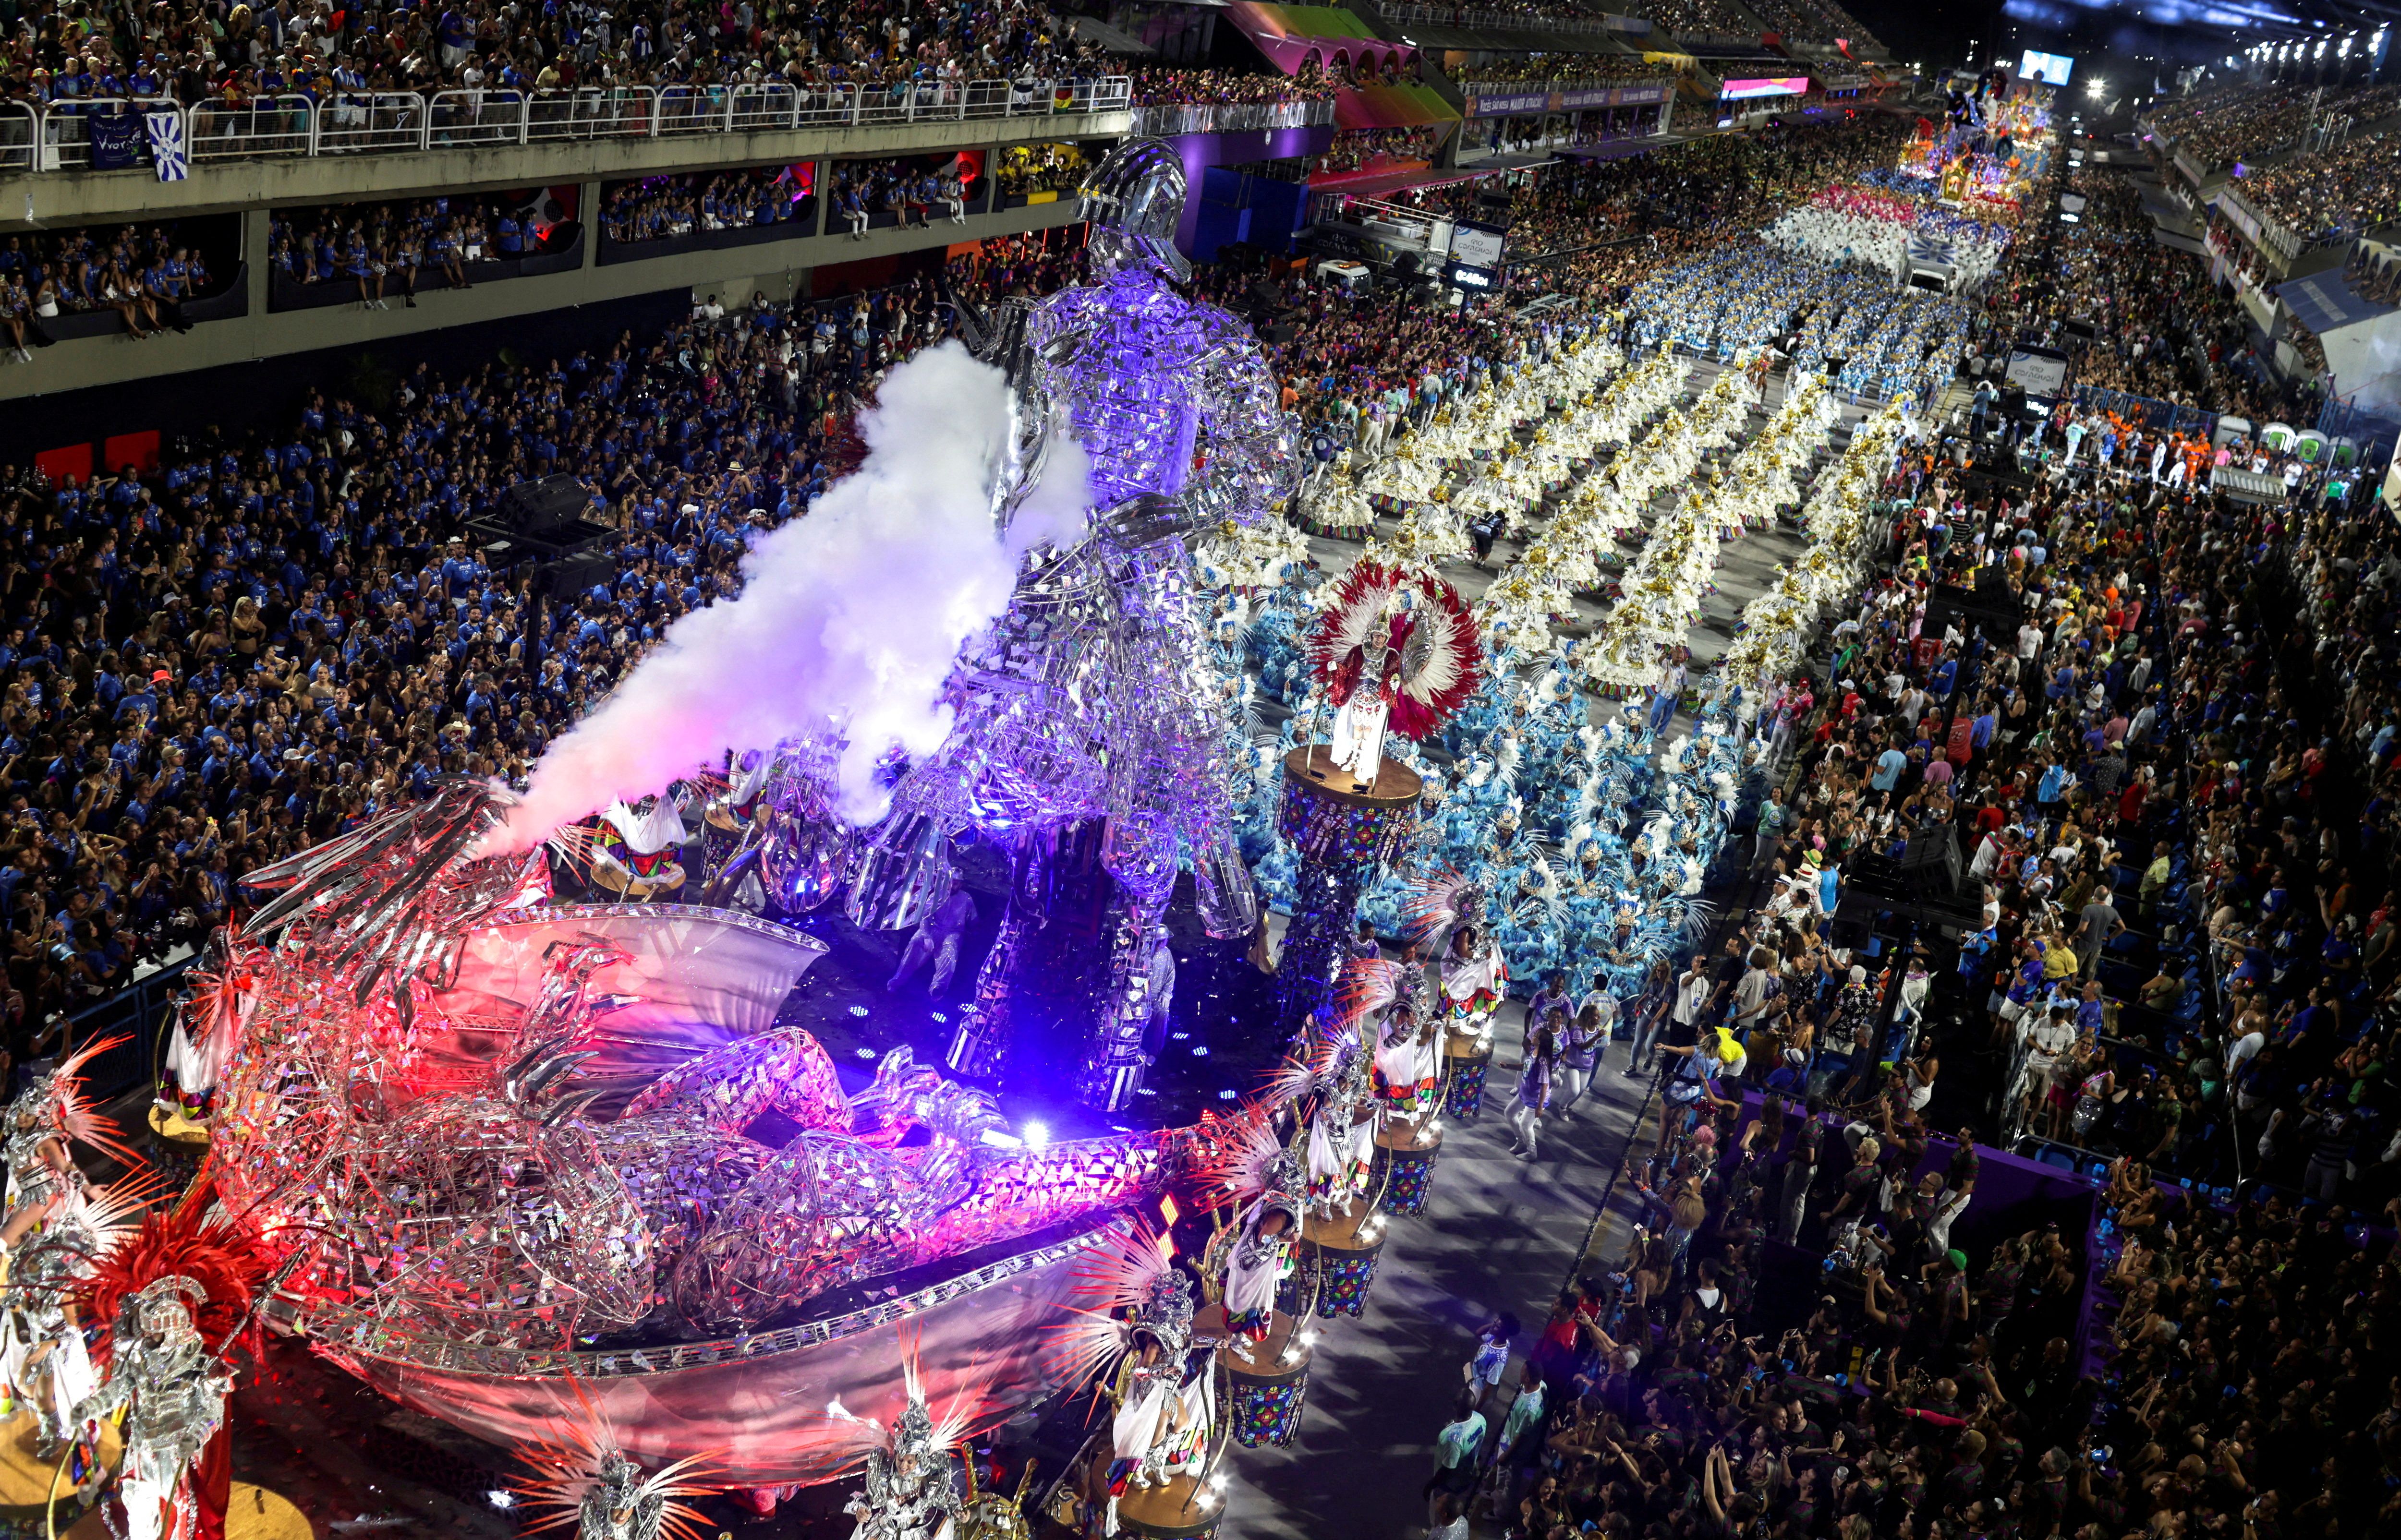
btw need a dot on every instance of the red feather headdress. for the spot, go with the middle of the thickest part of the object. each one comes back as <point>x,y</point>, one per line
<point>1366,985</point>
<point>222,1254</point>
<point>1437,659</point>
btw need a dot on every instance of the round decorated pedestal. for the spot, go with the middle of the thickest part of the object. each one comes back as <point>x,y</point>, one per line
<point>1404,1169</point>
<point>1465,1063</point>
<point>255,1513</point>
<point>620,881</point>
<point>29,1482</point>
<point>1264,1393</point>
<point>1343,834</point>
<point>177,1144</point>
<point>1335,1263</point>
<point>1182,1509</point>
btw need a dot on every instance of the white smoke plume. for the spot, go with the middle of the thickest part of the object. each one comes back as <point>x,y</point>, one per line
<point>852,614</point>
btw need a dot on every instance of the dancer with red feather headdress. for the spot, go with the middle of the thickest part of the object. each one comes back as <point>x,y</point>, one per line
<point>176,1296</point>
<point>1395,652</point>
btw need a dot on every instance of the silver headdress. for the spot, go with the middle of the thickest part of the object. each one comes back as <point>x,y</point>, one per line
<point>1133,200</point>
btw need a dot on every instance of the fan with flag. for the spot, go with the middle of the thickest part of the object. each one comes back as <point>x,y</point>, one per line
<point>167,149</point>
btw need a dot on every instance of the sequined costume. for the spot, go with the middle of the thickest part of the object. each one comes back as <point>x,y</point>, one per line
<point>174,1391</point>
<point>1262,1253</point>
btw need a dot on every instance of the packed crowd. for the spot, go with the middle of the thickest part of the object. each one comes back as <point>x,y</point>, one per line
<point>142,272</point>
<point>1052,168</point>
<point>1809,21</point>
<point>2243,120</point>
<point>2154,331</point>
<point>389,248</point>
<point>2334,193</point>
<point>276,635</point>
<point>1357,149</point>
<point>1700,19</point>
<point>660,208</point>
<point>232,56</point>
<point>1501,73</point>
<point>1157,86</point>
<point>2173,778</point>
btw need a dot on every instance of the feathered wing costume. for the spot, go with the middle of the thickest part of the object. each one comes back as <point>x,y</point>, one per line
<point>582,1477</point>
<point>1161,1377</point>
<point>1396,652</point>
<point>1260,1175</point>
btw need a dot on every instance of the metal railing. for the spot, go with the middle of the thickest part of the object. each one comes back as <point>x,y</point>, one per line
<point>2269,230</point>
<point>20,130</point>
<point>1476,16</point>
<point>268,125</point>
<point>65,127</point>
<point>57,138</point>
<point>376,123</point>
<point>1652,77</point>
<point>138,1014</point>
<point>618,113</point>
<point>1174,117</point>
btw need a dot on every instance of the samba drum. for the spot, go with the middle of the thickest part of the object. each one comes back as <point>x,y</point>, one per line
<point>1334,1264</point>
<point>1465,1063</point>
<point>1266,1392</point>
<point>1403,1171</point>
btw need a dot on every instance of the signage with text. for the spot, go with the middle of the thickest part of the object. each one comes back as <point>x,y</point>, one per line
<point>1527,103</point>
<point>1782,85</point>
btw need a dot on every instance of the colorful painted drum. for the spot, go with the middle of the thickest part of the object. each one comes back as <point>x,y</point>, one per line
<point>1265,1391</point>
<point>1343,1282</point>
<point>1464,1080</point>
<point>1335,1264</point>
<point>1404,1173</point>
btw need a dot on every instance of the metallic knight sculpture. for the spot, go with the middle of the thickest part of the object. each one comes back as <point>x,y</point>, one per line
<point>1092,702</point>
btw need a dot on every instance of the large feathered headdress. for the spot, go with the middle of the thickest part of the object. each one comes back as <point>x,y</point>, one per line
<point>584,1456</point>
<point>1248,1160</point>
<point>221,1254</point>
<point>1439,901</point>
<point>1126,1285</point>
<point>58,1100</point>
<point>1440,659</point>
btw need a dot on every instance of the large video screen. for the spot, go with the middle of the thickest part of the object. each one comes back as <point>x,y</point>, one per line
<point>1783,85</point>
<point>2053,69</point>
<point>1476,246</point>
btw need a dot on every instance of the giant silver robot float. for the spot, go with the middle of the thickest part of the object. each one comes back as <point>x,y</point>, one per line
<point>1089,741</point>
